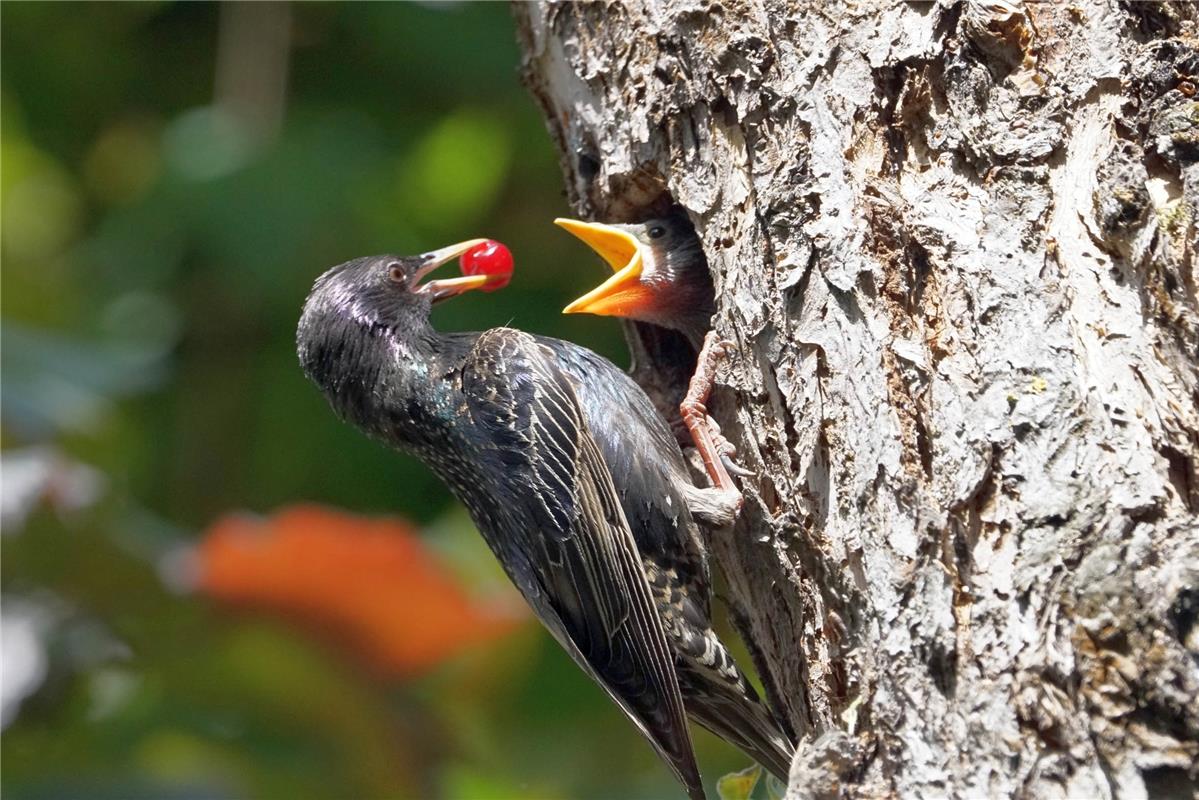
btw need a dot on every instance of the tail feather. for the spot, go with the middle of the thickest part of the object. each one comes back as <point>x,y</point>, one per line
<point>715,692</point>
<point>748,725</point>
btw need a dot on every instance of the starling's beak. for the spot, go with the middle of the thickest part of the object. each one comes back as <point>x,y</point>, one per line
<point>623,294</point>
<point>448,287</point>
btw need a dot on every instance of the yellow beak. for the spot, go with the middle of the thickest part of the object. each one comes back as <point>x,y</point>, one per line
<point>447,287</point>
<point>623,294</point>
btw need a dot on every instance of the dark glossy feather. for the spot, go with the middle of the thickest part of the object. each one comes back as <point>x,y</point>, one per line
<point>639,448</point>
<point>567,541</point>
<point>644,457</point>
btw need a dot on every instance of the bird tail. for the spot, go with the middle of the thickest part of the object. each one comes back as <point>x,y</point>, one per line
<point>736,715</point>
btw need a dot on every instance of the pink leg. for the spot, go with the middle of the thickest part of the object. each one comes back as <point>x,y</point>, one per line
<point>695,413</point>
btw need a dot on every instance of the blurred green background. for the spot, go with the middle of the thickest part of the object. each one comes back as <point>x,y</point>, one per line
<point>174,176</point>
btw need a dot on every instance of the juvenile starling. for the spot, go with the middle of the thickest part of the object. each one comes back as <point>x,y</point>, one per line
<point>530,433</point>
<point>661,276</point>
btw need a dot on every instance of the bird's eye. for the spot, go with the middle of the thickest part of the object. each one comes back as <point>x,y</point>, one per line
<point>396,272</point>
<point>657,232</point>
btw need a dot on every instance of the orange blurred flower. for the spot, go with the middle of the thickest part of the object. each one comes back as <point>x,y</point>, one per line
<point>368,581</point>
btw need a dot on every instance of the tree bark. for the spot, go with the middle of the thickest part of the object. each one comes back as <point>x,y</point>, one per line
<point>954,245</point>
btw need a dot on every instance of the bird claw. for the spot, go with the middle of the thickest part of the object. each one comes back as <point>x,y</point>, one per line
<point>726,451</point>
<point>734,468</point>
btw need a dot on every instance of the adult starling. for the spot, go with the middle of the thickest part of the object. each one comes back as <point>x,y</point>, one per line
<point>528,432</point>
<point>661,276</point>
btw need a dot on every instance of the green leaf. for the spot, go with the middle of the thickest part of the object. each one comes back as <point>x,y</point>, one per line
<point>738,785</point>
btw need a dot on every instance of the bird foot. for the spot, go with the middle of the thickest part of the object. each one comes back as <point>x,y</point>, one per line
<point>713,448</point>
<point>716,508</point>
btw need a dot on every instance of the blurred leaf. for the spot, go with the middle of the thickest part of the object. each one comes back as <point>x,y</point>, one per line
<point>186,705</point>
<point>52,383</point>
<point>22,655</point>
<point>456,170</point>
<point>369,582</point>
<point>42,208</point>
<point>124,161</point>
<point>460,782</point>
<point>37,475</point>
<point>738,785</point>
<point>206,143</point>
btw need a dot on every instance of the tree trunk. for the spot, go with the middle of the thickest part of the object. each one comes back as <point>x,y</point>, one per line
<point>954,244</point>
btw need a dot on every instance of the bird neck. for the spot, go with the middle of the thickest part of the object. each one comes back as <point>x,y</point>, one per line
<point>366,367</point>
<point>411,404</point>
<point>690,315</point>
<point>695,327</point>
<point>684,299</point>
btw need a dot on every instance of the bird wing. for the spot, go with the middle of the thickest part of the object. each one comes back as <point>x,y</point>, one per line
<point>651,469</point>
<point>566,542</point>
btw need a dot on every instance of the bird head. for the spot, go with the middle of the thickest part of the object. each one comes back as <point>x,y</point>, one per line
<point>355,305</point>
<point>661,275</point>
<point>380,292</point>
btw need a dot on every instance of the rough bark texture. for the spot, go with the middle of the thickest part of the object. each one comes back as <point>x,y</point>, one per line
<point>954,243</point>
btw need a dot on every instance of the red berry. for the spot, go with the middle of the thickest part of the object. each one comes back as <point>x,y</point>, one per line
<point>489,258</point>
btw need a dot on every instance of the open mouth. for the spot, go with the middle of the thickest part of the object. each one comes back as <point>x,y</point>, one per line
<point>447,287</point>
<point>621,293</point>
